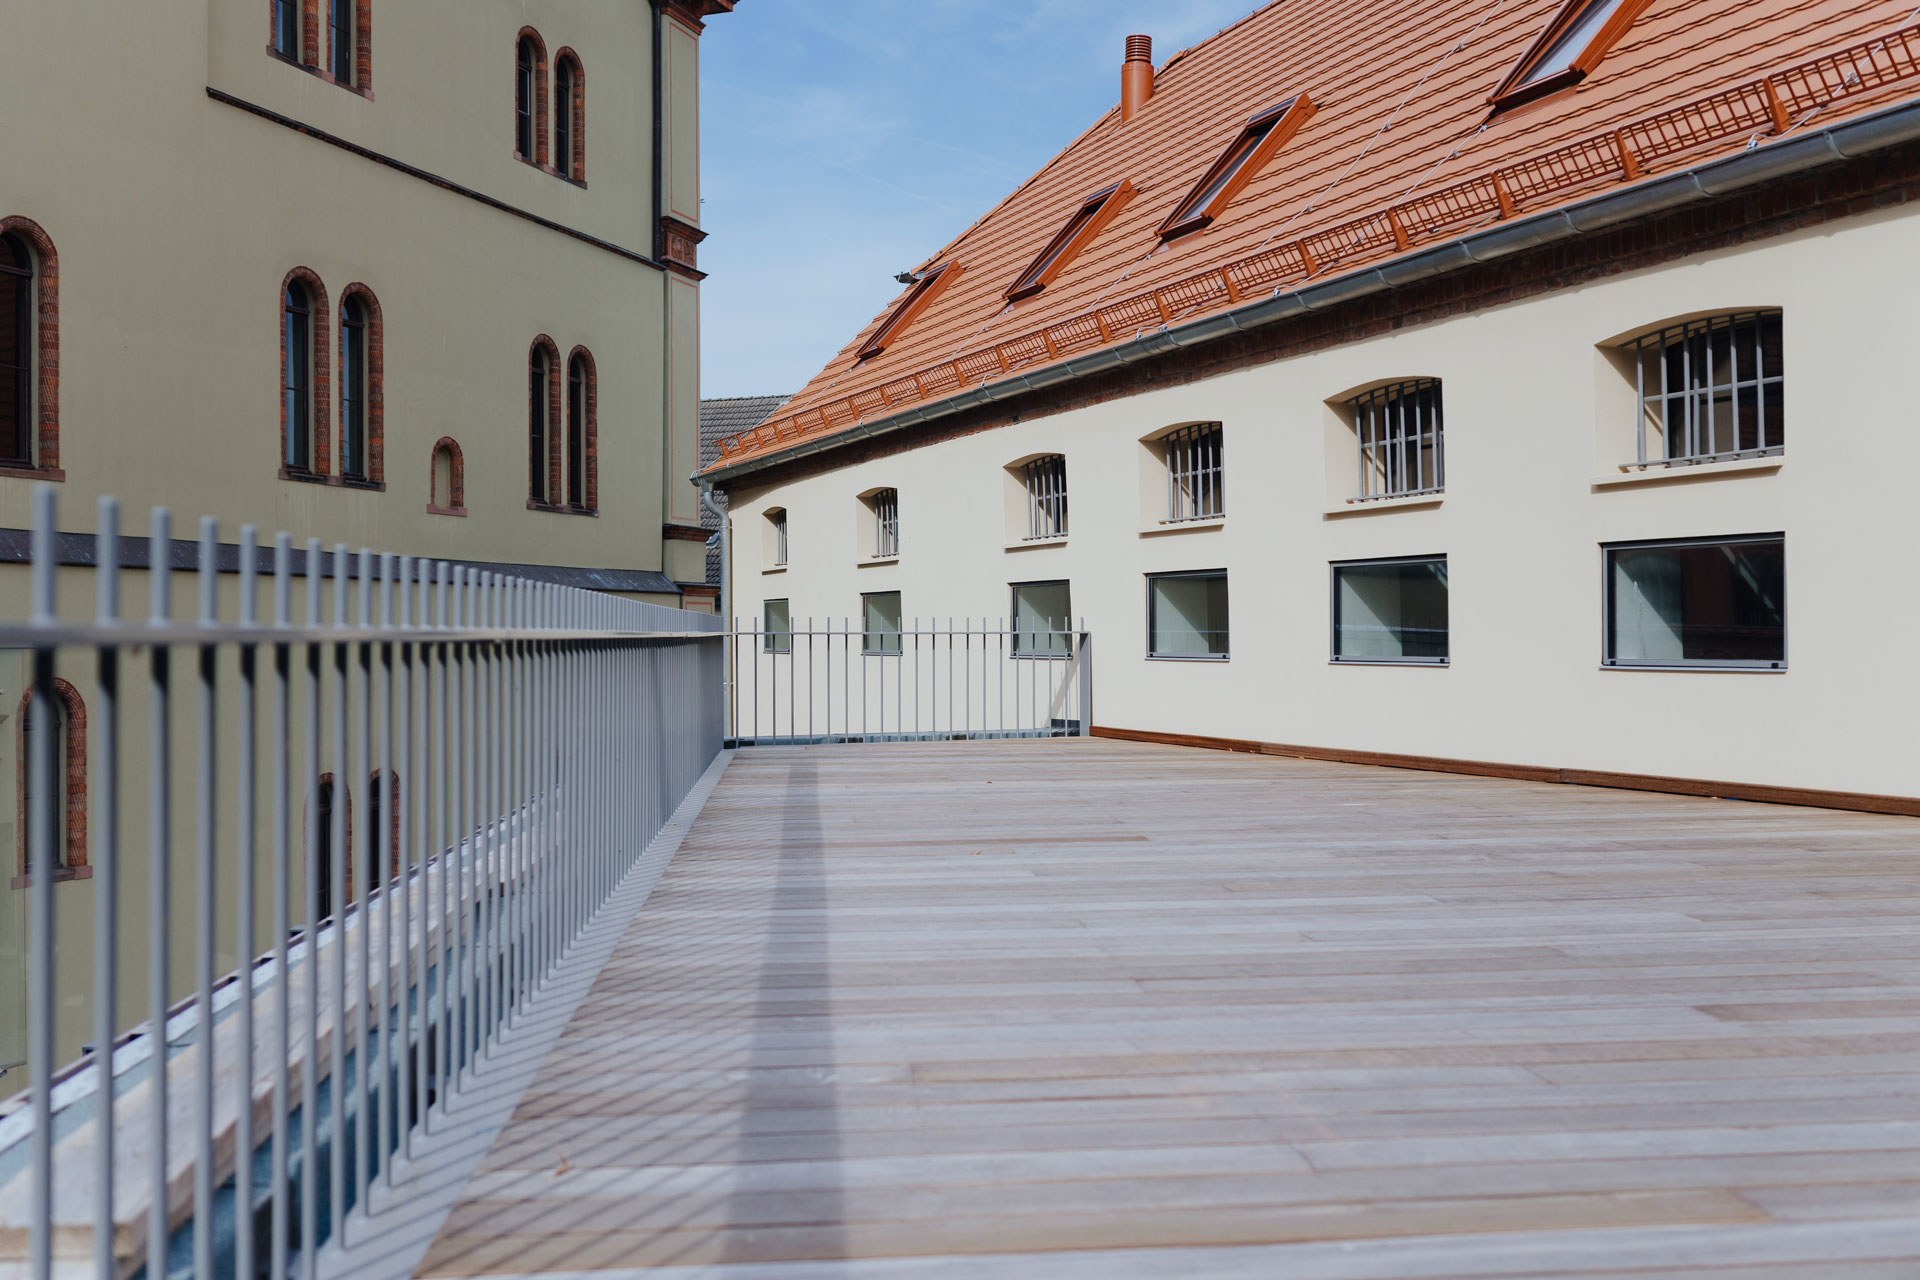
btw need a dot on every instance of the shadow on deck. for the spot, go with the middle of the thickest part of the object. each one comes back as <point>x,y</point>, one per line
<point>1098,1009</point>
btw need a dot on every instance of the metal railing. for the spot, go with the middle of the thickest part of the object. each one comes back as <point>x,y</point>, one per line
<point>1196,473</point>
<point>523,742</point>
<point>1711,388</point>
<point>818,681</point>
<point>1398,436</point>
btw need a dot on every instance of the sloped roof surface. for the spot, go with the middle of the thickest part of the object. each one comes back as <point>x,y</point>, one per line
<point>1402,89</point>
<point>719,418</point>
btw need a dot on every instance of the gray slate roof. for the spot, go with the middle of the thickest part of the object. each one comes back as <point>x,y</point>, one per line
<point>720,418</point>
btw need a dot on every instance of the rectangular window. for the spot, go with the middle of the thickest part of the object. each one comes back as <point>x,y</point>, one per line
<point>880,622</point>
<point>1390,610</point>
<point>1047,498</point>
<point>1698,603</point>
<point>1711,389</point>
<point>341,25</point>
<point>1398,431</point>
<point>1196,473</point>
<point>286,28</point>
<point>886,522</point>
<point>779,519</point>
<point>777,634</point>
<point>1187,615</point>
<point>1042,619</point>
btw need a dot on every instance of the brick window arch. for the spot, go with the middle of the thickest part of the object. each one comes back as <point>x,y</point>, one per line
<point>70,780</point>
<point>583,432</point>
<point>306,377</point>
<point>447,495</point>
<point>530,97</point>
<point>363,432</point>
<point>29,350</point>
<point>570,116</point>
<point>544,377</point>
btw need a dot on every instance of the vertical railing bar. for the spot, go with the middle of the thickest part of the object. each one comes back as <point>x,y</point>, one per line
<point>342,853</point>
<point>159,869</point>
<point>246,895</point>
<point>106,873</point>
<point>380,1087</point>
<point>442,731</point>
<point>281,1214</point>
<point>310,876</point>
<point>360,863</point>
<point>43,822</point>
<point>205,818</point>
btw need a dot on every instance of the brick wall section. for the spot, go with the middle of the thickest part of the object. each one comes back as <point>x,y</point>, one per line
<point>46,328</point>
<point>310,32</point>
<point>363,45</point>
<point>1825,195</point>
<point>376,383</point>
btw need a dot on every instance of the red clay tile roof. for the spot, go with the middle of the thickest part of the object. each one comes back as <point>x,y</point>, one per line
<point>1400,155</point>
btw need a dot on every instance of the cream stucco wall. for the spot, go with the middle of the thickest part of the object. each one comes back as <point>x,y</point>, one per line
<point>1534,413</point>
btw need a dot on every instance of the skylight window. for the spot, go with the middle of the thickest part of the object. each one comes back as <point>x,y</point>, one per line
<point>931,284</point>
<point>1242,161</point>
<point>1568,50</point>
<point>1094,213</point>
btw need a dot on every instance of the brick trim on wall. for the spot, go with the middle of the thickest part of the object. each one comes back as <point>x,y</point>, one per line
<point>456,478</point>
<point>320,375</point>
<point>73,864</point>
<point>46,356</point>
<point>1837,191</point>
<point>376,383</point>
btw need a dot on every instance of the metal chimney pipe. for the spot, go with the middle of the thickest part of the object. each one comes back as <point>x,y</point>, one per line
<point>1136,76</point>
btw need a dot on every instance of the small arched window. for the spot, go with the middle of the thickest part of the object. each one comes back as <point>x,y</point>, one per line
<point>296,376</point>
<point>540,375</point>
<point>16,352</point>
<point>447,496</point>
<point>570,117</point>
<point>582,432</point>
<point>67,723</point>
<point>530,98</point>
<point>353,388</point>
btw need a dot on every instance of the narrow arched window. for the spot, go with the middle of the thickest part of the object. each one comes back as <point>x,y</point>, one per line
<point>563,118</point>
<point>353,388</point>
<point>296,378</point>
<point>286,28</point>
<point>56,803</point>
<point>17,342</point>
<point>65,800</point>
<point>447,497</point>
<point>322,870</point>
<point>539,428</point>
<point>577,433</point>
<point>523,99</point>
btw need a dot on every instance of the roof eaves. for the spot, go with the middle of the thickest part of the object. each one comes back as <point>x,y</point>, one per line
<point>1849,139</point>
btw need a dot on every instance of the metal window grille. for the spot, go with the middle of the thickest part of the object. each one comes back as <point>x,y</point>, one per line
<point>17,341</point>
<point>1047,497</point>
<point>1399,435</point>
<point>1196,473</point>
<point>886,522</point>
<point>353,389</point>
<point>1711,389</point>
<point>539,736</point>
<point>297,319</point>
<point>341,24</point>
<point>779,537</point>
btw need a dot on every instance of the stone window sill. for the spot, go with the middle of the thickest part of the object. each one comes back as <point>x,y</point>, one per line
<point>1670,473</point>
<point>1373,506</point>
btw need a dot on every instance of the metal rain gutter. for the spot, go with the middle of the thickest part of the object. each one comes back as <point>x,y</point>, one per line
<point>1848,140</point>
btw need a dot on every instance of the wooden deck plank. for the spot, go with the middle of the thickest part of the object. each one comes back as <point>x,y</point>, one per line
<point>1107,1009</point>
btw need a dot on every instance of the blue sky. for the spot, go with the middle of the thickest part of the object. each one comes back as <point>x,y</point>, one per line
<point>846,140</point>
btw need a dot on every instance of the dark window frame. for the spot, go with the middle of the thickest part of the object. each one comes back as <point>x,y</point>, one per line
<point>25,363</point>
<point>1153,629</point>
<point>355,385</point>
<point>1334,655</point>
<point>286,33</point>
<point>1608,661</point>
<point>540,371</point>
<point>297,324</point>
<point>576,446</point>
<point>343,38</point>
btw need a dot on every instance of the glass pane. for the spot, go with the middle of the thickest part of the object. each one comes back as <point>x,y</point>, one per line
<point>1706,602</point>
<point>1390,612</point>
<point>881,611</point>
<point>1188,617</point>
<point>1041,614</point>
<point>779,627</point>
<point>1573,42</point>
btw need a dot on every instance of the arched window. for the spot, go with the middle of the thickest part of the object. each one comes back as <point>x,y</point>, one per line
<point>570,117</point>
<point>353,388</point>
<point>448,494</point>
<point>322,870</point>
<point>306,374</point>
<point>286,29</point>
<point>68,716</point>
<point>530,98</point>
<point>29,349</point>
<point>16,352</point>
<point>583,489</point>
<point>377,806</point>
<point>296,377</point>
<point>542,442</point>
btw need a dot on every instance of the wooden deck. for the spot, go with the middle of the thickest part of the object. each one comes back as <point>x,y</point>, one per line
<point>1101,1009</point>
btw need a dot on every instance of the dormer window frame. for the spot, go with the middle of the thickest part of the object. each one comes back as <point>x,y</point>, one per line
<point>1522,86</point>
<point>933,282</point>
<point>1258,141</point>
<point>1086,222</point>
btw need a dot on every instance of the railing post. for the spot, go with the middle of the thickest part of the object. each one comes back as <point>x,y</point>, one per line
<point>1086,681</point>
